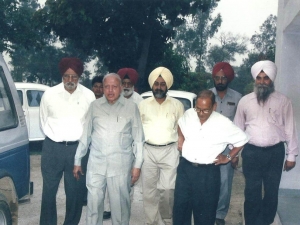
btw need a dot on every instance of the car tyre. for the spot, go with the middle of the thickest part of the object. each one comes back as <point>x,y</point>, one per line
<point>5,215</point>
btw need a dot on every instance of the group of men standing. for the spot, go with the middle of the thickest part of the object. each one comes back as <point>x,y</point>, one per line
<point>185,159</point>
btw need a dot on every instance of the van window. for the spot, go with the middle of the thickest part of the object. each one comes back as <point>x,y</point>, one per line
<point>8,115</point>
<point>34,97</point>
<point>20,94</point>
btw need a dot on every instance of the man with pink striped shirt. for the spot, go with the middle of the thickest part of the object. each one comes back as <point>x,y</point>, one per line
<point>267,118</point>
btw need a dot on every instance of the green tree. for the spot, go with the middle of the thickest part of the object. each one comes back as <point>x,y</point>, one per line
<point>40,65</point>
<point>124,33</point>
<point>229,46</point>
<point>264,41</point>
<point>17,24</point>
<point>192,36</point>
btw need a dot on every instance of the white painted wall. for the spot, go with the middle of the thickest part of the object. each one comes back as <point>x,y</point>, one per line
<point>288,76</point>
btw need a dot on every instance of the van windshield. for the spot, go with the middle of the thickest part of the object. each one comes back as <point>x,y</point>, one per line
<point>8,117</point>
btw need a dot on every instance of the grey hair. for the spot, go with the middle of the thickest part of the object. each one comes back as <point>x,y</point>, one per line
<point>113,75</point>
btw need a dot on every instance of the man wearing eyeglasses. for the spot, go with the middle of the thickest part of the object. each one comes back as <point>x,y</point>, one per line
<point>203,136</point>
<point>227,101</point>
<point>62,114</point>
<point>160,114</point>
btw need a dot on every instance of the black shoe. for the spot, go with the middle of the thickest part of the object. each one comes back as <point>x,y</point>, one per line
<point>106,215</point>
<point>220,221</point>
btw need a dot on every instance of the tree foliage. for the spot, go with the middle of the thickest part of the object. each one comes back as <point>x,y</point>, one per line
<point>226,50</point>
<point>124,33</point>
<point>17,24</point>
<point>192,37</point>
<point>264,42</point>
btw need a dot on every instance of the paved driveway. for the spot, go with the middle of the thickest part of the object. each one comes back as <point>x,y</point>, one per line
<point>29,213</point>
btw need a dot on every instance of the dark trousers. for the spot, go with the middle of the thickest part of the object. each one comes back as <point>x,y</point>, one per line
<point>58,160</point>
<point>197,188</point>
<point>262,167</point>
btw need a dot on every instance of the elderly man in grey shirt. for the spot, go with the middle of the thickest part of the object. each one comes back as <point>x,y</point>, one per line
<point>115,135</point>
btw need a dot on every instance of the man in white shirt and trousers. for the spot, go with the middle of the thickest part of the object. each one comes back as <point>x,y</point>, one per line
<point>203,135</point>
<point>62,114</point>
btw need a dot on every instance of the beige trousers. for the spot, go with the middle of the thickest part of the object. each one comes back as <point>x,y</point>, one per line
<point>158,179</point>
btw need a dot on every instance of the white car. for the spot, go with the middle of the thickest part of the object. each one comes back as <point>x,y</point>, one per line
<point>30,95</point>
<point>187,98</point>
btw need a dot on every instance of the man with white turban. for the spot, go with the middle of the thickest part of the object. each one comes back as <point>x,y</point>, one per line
<point>267,118</point>
<point>160,114</point>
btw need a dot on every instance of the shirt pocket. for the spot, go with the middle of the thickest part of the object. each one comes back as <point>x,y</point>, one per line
<point>274,117</point>
<point>123,127</point>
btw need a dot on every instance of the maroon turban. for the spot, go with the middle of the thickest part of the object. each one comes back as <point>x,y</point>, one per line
<point>227,69</point>
<point>131,74</point>
<point>70,63</point>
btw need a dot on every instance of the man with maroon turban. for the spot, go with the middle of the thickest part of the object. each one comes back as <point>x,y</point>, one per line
<point>62,115</point>
<point>227,101</point>
<point>129,78</point>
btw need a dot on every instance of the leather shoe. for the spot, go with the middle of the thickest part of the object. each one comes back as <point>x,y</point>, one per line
<point>106,215</point>
<point>220,221</point>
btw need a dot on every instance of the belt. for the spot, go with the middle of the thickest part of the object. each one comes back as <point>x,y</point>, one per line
<point>160,145</point>
<point>267,147</point>
<point>66,143</point>
<point>198,164</point>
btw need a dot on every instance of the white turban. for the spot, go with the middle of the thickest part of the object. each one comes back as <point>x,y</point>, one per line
<point>266,66</point>
<point>164,73</point>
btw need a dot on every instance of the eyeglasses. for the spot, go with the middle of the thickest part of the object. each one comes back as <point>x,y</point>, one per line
<point>69,76</point>
<point>127,84</point>
<point>220,78</point>
<point>205,111</point>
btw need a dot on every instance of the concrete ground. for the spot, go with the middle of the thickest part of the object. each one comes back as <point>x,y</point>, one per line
<point>29,213</point>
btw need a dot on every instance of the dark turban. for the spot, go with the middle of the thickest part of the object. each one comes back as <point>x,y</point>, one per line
<point>70,63</point>
<point>129,73</point>
<point>227,69</point>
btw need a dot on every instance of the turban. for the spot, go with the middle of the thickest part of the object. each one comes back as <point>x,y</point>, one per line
<point>268,67</point>
<point>226,68</point>
<point>130,73</point>
<point>70,63</point>
<point>164,73</point>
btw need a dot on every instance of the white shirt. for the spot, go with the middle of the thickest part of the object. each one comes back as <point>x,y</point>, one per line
<point>203,143</point>
<point>62,114</point>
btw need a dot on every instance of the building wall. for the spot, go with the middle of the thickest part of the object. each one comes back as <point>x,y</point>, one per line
<point>288,76</point>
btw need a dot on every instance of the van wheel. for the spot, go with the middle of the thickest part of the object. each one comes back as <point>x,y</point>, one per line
<point>5,215</point>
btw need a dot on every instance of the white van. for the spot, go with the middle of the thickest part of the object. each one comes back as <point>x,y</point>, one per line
<point>30,95</point>
<point>187,98</point>
<point>14,150</point>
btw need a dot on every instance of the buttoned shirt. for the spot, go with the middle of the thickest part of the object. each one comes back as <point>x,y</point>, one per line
<point>204,142</point>
<point>115,135</point>
<point>160,120</point>
<point>270,123</point>
<point>62,114</point>
<point>136,98</point>
<point>228,104</point>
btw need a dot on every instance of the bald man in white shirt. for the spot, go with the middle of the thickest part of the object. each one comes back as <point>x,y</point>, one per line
<point>203,135</point>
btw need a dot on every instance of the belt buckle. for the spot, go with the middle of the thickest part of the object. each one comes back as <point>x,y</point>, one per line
<point>195,164</point>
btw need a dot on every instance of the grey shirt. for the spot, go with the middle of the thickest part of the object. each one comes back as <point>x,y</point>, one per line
<point>228,105</point>
<point>115,135</point>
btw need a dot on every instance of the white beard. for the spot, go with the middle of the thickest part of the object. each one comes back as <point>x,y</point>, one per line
<point>128,91</point>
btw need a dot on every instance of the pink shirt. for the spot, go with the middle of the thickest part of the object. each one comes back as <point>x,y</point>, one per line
<point>268,124</point>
